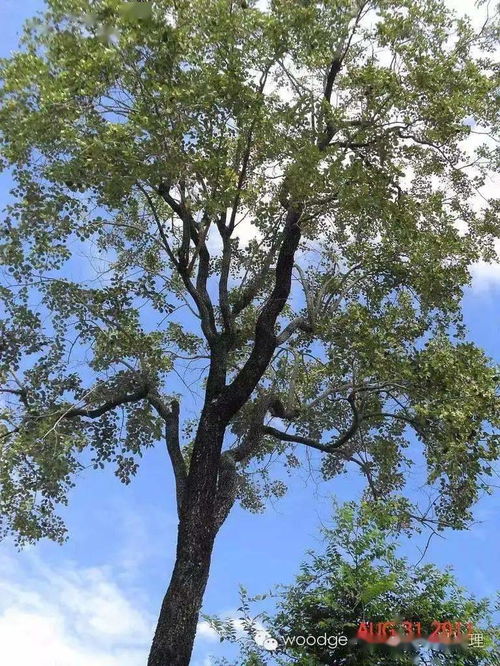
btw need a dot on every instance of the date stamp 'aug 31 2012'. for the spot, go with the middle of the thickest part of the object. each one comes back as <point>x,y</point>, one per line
<point>394,632</point>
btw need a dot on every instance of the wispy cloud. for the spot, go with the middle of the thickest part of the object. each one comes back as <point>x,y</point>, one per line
<point>68,616</point>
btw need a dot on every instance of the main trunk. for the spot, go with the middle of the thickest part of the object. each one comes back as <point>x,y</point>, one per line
<point>176,628</point>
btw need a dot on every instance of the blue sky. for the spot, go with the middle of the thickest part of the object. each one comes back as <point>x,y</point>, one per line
<point>94,600</point>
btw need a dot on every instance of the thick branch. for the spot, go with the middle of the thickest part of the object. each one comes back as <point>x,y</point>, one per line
<point>307,441</point>
<point>226,231</point>
<point>239,391</point>
<point>227,485</point>
<point>334,69</point>
<point>253,436</point>
<point>297,439</point>
<point>171,418</point>
<point>224,277</point>
<point>227,488</point>
<point>300,323</point>
<point>23,397</point>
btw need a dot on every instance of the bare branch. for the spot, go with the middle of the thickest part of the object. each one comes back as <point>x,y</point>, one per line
<point>119,399</point>
<point>171,418</point>
<point>199,293</point>
<point>299,323</point>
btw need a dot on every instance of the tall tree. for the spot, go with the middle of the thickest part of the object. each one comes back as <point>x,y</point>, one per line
<point>281,198</point>
<point>359,588</point>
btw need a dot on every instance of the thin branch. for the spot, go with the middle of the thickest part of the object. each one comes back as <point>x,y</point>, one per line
<point>198,293</point>
<point>314,444</point>
<point>159,225</point>
<point>119,399</point>
<point>256,283</point>
<point>307,292</point>
<point>398,417</point>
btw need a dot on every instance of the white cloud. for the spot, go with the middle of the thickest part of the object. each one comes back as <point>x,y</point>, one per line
<point>205,631</point>
<point>485,276</point>
<point>68,617</point>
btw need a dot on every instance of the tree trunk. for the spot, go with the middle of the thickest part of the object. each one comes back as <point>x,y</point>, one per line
<point>176,628</point>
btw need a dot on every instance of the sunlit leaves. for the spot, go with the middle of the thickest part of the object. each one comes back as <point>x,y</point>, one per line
<point>107,104</point>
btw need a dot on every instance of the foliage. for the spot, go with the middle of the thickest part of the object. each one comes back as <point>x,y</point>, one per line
<point>359,577</point>
<point>190,152</point>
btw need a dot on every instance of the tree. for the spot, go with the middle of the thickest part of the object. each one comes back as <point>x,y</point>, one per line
<point>358,578</point>
<point>282,199</point>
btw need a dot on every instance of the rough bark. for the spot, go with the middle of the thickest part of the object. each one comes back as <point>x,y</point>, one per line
<point>198,525</point>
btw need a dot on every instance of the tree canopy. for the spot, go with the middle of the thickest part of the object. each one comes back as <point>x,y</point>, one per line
<point>153,139</point>
<point>276,201</point>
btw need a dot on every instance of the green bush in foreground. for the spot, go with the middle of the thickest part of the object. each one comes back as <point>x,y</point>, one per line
<point>359,577</point>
